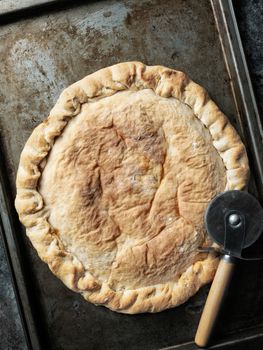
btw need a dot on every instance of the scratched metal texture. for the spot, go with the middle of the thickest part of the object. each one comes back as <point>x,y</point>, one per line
<point>42,55</point>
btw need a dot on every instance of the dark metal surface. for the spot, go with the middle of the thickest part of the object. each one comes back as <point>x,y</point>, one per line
<point>42,55</point>
<point>249,14</point>
<point>247,111</point>
<point>11,6</point>
<point>9,318</point>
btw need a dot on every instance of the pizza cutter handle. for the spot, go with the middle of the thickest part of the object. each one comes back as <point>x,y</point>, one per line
<point>214,300</point>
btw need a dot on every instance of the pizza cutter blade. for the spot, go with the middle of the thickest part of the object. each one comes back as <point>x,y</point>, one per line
<point>234,220</point>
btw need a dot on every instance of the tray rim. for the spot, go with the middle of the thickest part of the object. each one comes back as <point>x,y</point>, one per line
<point>243,93</point>
<point>6,7</point>
<point>13,255</point>
<point>241,85</point>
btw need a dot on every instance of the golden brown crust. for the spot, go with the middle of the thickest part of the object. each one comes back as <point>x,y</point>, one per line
<point>34,215</point>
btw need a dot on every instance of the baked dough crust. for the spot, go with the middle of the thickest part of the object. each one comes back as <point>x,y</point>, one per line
<point>113,83</point>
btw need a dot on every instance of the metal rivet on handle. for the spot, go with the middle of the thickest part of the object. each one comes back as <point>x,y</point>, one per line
<point>234,220</point>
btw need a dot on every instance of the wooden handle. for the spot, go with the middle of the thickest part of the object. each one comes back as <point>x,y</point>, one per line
<point>214,300</point>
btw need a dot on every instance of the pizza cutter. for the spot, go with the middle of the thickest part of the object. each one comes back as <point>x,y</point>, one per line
<point>234,220</point>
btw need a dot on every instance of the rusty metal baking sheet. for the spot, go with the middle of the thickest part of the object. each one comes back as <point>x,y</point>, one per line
<point>41,55</point>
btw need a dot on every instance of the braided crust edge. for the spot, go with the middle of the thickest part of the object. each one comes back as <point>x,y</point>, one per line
<point>164,82</point>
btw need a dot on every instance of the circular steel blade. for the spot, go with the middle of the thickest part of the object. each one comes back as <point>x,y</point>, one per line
<point>237,201</point>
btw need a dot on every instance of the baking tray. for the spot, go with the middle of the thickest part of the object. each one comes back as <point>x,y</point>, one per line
<point>45,48</point>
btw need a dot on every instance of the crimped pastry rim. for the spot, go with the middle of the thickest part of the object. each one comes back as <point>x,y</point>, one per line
<point>164,82</point>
